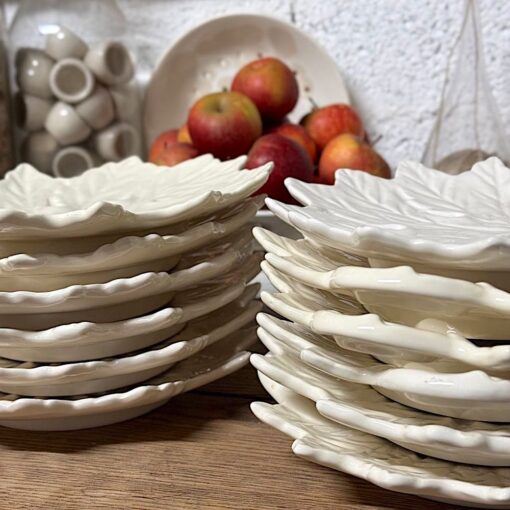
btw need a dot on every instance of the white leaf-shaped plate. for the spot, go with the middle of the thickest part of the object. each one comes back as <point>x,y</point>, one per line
<point>118,299</point>
<point>371,334</point>
<point>446,387</point>
<point>67,379</point>
<point>421,216</point>
<point>361,407</point>
<point>120,197</point>
<point>84,341</point>
<point>216,361</point>
<point>378,461</point>
<point>123,258</point>
<point>399,294</point>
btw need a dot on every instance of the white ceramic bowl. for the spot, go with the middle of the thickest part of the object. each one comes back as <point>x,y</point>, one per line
<point>207,58</point>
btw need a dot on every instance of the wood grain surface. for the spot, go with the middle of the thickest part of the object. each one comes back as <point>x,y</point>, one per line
<point>203,450</point>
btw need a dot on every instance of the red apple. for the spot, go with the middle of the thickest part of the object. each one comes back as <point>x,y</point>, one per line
<point>270,84</point>
<point>225,124</point>
<point>183,135</point>
<point>162,142</point>
<point>349,151</point>
<point>325,123</point>
<point>300,136</point>
<point>175,153</point>
<point>289,158</point>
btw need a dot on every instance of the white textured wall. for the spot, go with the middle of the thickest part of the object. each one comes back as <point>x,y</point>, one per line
<point>392,52</point>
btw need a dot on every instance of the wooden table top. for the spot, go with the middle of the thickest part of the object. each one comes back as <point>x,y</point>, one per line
<point>203,450</point>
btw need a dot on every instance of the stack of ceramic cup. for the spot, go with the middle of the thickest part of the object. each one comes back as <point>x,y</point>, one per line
<point>391,362</point>
<point>76,104</point>
<point>122,287</point>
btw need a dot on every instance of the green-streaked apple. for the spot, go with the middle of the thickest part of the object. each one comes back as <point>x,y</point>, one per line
<point>270,84</point>
<point>225,124</point>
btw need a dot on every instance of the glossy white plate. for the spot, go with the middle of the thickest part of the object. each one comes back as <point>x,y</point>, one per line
<point>380,462</point>
<point>67,379</point>
<point>88,340</point>
<point>362,408</point>
<point>399,294</point>
<point>214,362</point>
<point>119,299</point>
<point>120,197</point>
<point>206,59</point>
<point>368,333</point>
<point>470,395</point>
<point>424,218</point>
<point>124,258</point>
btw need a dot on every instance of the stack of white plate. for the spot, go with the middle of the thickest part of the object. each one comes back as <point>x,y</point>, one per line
<point>391,363</point>
<point>122,287</point>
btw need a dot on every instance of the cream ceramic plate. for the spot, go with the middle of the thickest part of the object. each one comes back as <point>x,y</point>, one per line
<point>206,59</point>
<point>119,299</point>
<point>470,395</point>
<point>119,197</point>
<point>126,257</point>
<point>450,389</point>
<point>378,461</point>
<point>67,379</point>
<point>399,294</point>
<point>88,340</point>
<point>88,244</point>
<point>438,223</point>
<point>368,333</point>
<point>361,407</point>
<point>214,362</point>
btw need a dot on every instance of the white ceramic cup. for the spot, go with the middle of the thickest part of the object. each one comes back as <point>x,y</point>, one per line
<point>73,160</point>
<point>31,111</point>
<point>65,125</point>
<point>126,99</point>
<point>111,62</point>
<point>71,80</point>
<point>97,110</point>
<point>38,149</point>
<point>65,44</point>
<point>33,68</point>
<point>117,142</point>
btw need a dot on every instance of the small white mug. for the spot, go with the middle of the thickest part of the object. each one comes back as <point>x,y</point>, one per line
<point>65,125</point>
<point>33,69</point>
<point>64,43</point>
<point>31,111</point>
<point>117,142</point>
<point>97,110</point>
<point>73,160</point>
<point>38,149</point>
<point>71,80</point>
<point>111,62</point>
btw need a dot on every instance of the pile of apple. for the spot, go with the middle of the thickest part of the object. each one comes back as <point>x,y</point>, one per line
<point>251,119</point>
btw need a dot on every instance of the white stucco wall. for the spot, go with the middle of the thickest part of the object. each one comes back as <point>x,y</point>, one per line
<point>392,52</point>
